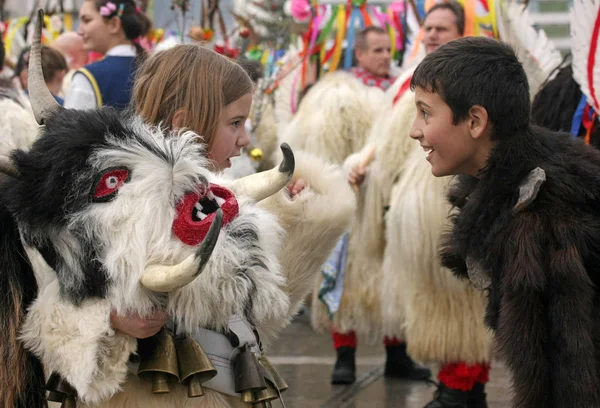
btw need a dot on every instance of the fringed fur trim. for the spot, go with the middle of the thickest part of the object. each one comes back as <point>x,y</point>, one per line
<point>334,117</point>
<point>360,308</point>
<point>314,222</point>
<point>266,134</point>
<point>78,343</point>
<point>442,317</point>
<point>17,127</point>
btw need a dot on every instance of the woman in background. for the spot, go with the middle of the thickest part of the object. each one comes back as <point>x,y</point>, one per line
<point>110,28</point>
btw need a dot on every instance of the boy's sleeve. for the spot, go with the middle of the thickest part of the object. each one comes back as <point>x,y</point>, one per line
<point>545,317</point>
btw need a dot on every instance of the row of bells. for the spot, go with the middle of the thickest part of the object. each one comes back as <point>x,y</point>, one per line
<point>165,360</point>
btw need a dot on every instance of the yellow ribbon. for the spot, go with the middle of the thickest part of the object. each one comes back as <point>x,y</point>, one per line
<point>340,35</point>
<point>20,22</point>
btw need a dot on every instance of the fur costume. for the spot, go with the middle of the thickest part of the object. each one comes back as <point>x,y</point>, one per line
<point>535,252</point>
<point>442,316</point>
<point>133,220</point>
<point>360,307</point>
<point>334,117</point>
<point>17,124</point>
<point>394,284</point>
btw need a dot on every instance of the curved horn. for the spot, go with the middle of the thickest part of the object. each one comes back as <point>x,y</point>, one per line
<point>8,168</point>
<point>42,102</point>
<point>262,185</point>
<point>161,278</point>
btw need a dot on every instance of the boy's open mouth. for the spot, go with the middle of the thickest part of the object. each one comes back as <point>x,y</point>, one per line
<point>428,151</point>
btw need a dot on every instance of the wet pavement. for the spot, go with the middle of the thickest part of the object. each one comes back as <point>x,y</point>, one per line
<point>305,359</point>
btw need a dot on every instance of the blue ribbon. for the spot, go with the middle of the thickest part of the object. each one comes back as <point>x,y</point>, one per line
<point>350,38</point>
<point>578,116</point>
<point>270,64</point>
<point>421,8</point>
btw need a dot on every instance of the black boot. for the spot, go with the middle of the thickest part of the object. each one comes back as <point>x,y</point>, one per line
<point>398,364</point>
<point>344,371</point>
<point>477,397</point>
<point>448,398</point>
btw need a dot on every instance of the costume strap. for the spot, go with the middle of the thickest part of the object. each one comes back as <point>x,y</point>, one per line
<point>95,86</point>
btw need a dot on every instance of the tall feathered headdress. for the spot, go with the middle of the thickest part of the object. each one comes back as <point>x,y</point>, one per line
<point>585,33</point>
<point>536,52</point>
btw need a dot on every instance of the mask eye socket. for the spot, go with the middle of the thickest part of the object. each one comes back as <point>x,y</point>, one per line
<point>108,183</point>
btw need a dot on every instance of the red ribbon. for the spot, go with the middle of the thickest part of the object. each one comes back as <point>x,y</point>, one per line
<point>592,60</point>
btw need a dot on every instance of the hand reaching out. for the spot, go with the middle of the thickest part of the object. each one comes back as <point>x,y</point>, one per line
<point>357,175</point>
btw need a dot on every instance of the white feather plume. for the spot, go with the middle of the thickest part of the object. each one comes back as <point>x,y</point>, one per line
<point>536,52</point>
<point>584,15</point>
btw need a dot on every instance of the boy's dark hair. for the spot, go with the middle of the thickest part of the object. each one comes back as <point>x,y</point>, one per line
<point>456,9</point>
<point>360,42</point>
<point>52,62</point>
<point>478,71</point>
<point>254,69</point>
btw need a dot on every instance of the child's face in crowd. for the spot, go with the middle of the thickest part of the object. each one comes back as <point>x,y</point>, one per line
<point>450,148</point>
<point>231,134</point>
<point>94,29</point>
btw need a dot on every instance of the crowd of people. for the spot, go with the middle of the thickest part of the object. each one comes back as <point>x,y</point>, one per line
<point>472,225</point>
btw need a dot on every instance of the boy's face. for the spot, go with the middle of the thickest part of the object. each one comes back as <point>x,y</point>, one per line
<point>450,148</point>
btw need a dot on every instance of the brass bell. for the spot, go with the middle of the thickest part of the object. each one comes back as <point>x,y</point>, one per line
<point>256,154</point>
<point>195,367</point>
<point>263,404</point>
<point>280,383</point>
<point>159,361</point>
<point>266,395</point>
<point>61,391</point>
<point>69,402</point>
<point>248,397</point>
<point>247,371</point>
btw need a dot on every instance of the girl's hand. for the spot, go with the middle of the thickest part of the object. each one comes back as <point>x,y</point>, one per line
<point>295,187</point>
<point>139,327</point>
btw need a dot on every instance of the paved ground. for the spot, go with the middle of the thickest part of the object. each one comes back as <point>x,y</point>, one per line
<point>305,359</point>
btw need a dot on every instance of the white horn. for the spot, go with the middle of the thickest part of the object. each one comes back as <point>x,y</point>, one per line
<point>43,103</point>
<point>161,278</point>
<point>262,185</point>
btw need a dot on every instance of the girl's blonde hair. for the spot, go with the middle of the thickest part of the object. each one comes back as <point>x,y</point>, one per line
<point>192,79</point>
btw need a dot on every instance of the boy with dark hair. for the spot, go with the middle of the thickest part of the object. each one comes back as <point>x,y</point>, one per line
<point>526,230</point>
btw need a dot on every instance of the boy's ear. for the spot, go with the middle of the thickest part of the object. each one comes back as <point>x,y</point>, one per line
<point>478,121</point>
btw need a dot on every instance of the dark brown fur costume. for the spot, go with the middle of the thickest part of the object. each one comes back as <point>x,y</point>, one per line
<point>544,263</point>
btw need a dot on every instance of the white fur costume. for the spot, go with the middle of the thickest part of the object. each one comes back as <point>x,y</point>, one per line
<point>77,341</point>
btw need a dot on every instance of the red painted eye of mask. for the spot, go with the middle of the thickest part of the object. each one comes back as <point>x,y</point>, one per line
<point>108,183</point>
<point>196,212</point>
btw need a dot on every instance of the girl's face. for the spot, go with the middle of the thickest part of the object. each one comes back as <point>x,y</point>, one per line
<point>93,28</point>
<point>231,134</point>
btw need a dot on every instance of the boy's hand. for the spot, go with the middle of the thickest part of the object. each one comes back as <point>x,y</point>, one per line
<point>357,175</point>
<point>139,327</point>
<point>295,187</point>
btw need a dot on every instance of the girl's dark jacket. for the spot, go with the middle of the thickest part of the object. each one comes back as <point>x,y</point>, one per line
<point>537,254</point>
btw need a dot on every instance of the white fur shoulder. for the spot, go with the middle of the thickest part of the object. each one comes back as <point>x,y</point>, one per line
<point>17,126</point>
<point>313,221</point>
<point>586,65</point>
